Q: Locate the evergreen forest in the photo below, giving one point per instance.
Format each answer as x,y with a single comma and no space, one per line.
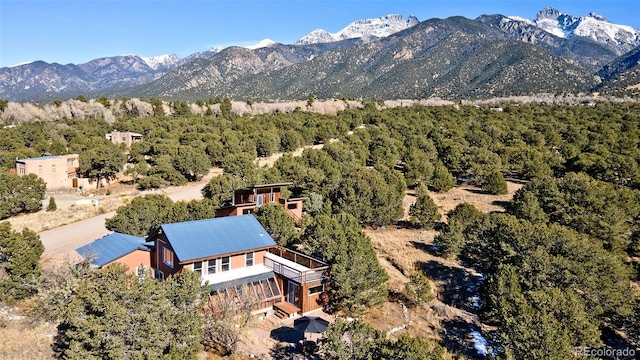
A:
560,265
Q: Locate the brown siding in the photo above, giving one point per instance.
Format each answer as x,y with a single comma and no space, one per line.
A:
228,211
310,302
160,244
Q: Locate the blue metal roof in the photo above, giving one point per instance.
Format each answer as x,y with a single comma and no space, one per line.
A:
112,247
46,157
212,237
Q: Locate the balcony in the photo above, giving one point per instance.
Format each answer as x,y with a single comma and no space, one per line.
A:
295,266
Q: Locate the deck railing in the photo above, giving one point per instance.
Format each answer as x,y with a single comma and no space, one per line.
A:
317,270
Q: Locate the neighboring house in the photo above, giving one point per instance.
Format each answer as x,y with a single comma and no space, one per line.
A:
247,200
124,137
132,251
58,171
236,252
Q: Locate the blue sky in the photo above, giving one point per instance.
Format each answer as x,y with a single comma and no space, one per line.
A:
78,31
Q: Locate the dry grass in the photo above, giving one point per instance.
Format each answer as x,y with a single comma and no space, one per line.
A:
20,339
44,220
474,196
450,316
271,159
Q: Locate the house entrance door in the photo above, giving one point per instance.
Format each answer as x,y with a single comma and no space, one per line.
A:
292,293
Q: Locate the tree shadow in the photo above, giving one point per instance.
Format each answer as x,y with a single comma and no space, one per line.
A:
502,204
289,352
458,287
431,249
457,336
477,191
614,340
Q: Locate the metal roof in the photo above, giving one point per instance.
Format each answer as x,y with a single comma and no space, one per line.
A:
112,247
213,237
261,186
46,157
242,281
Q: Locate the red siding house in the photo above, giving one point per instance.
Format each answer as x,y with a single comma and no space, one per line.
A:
131,251
247,200
235,254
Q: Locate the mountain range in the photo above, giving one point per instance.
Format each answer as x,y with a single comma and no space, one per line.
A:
387,57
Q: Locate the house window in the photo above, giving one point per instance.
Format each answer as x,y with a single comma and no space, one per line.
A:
40,169
316,289
248,259
225,264
124,139
21,171
212,266
53,169
167,257
247,211
197,267
159,275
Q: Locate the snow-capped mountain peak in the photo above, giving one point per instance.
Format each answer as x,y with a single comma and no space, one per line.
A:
593,26
262,43
161,61
378,27
597,17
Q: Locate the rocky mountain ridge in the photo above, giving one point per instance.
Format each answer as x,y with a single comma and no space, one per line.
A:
575,45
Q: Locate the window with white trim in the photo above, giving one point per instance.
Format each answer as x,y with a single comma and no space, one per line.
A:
197,267
226,264
212,266
248,259
167,257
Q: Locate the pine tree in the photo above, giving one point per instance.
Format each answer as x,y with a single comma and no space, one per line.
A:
52,205
418,289
354,285
19,261
442,180
117,315
424,211
495,184
278,224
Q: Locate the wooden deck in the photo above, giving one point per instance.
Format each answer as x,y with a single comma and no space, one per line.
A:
285,309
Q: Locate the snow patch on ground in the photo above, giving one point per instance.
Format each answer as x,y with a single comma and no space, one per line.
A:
480,343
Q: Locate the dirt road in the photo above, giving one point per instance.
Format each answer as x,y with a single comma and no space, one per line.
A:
62,241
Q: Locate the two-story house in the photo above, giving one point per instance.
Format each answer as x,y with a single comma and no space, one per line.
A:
124,137
236,252
247,200
58,171
232,254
